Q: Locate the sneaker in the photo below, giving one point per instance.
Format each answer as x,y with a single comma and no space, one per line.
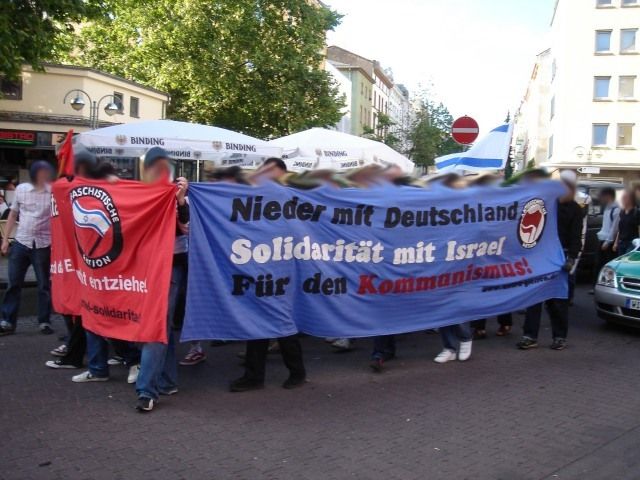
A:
46,329
342,345
377,365
60,351
503,331
526,343
134,370
559,344
145,404
115,360
6,328
445,356
171,391
88,377
464,352
244,384
294,382
59,364
194,357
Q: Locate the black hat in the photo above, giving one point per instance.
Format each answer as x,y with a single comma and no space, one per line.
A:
153,155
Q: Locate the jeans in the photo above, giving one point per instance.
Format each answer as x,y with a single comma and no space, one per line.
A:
158,365
452,335
384,347
256,359
98,354
77,342
558,309
20,257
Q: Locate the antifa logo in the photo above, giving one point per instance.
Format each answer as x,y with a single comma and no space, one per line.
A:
532,223
97,227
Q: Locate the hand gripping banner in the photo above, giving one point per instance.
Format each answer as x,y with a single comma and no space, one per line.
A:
112,248
271,261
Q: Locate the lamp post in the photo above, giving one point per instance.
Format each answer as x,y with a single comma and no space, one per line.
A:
78,103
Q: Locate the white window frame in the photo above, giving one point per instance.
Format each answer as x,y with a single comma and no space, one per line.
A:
618,136
603,52
595,88
593,135
635,46
634,80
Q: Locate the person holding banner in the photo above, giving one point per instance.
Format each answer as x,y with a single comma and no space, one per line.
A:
570,224
158,367
32,246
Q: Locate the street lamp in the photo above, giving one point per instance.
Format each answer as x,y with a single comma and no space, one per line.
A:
78,104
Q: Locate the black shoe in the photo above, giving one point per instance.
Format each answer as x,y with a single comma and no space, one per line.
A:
527,343
7,330
46,329
244,384
377,365
559,344
219,343
294,382
145,404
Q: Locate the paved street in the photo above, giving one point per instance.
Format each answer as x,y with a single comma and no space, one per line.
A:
505,414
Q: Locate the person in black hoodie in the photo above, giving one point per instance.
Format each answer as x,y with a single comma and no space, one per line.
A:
570,217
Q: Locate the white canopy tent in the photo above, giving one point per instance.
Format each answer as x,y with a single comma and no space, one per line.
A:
319,148
182,140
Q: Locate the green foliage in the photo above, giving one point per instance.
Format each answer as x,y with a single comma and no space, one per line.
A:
30,30
248,65
382,132
531,164
430,134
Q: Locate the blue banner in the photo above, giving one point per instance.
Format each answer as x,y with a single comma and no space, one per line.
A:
270,261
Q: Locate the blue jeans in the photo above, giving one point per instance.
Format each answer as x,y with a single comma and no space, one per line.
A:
20,257
452,335
158,366
98,354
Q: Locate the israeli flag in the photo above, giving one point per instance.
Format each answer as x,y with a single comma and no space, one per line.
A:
490,153
93,219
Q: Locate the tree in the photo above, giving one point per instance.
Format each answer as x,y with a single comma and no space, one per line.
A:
430,134
248,65
383,131
30,30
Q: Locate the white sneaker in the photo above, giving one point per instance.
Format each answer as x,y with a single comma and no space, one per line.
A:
464,351
133,374
445,356
87,377
342,344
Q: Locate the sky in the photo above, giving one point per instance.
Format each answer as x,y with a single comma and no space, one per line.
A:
476,56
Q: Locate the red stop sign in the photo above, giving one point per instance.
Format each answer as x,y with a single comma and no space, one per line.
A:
465,130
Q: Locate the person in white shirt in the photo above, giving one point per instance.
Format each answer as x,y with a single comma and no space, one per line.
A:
32,246
609,229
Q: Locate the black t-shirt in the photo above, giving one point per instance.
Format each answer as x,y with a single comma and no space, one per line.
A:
628,225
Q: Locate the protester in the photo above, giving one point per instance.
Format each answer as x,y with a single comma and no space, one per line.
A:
505,322
570,235
608,230
32,246
628,225
158,367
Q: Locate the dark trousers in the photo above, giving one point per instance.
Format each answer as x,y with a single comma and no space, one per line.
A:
256,358
77,343
602,258
505,320
384,347
20,257
558,309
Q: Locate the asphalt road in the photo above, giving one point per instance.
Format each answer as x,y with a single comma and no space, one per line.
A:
505,414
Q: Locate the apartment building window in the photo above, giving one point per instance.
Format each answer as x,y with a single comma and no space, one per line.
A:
552,108
550,153
600,134
119,99
627,88
603,41
601,88
604,3
625,134
630,3
10,90
554,69
134,107
628,40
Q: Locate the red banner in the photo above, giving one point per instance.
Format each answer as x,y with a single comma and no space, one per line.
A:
112,249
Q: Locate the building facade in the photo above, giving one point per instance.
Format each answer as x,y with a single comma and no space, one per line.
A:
586,92
36,112
345,88
361,96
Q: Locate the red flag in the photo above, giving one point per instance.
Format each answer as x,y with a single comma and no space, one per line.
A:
65,156
111,257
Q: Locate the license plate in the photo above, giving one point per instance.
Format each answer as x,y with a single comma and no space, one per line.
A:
633,303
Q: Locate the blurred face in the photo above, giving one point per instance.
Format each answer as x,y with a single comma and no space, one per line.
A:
605,199
628,200
160,170
43,177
